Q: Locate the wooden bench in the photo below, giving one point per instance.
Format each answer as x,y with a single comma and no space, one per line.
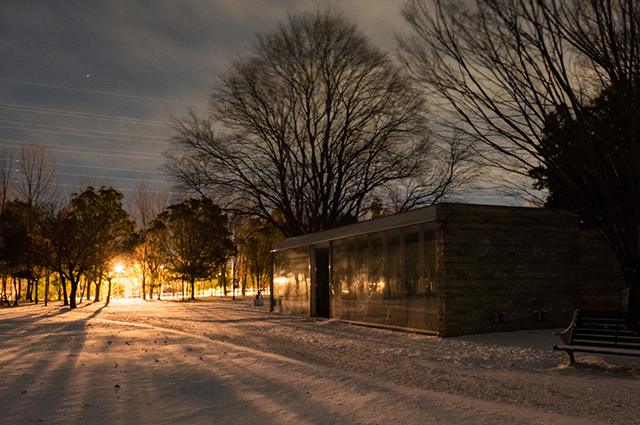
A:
603,332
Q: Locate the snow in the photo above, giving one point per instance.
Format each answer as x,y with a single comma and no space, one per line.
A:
228,362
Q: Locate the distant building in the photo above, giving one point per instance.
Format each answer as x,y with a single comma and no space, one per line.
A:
448,269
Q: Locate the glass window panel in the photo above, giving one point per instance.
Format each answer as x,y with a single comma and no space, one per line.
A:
383,277
291,281
413,264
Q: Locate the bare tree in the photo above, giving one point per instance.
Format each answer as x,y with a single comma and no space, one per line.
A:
255,247
148,202
305,132
36,187
5,196
36,184
520,76
6,188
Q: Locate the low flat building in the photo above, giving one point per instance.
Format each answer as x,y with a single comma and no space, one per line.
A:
448,269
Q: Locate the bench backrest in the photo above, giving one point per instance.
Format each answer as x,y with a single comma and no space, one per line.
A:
604,329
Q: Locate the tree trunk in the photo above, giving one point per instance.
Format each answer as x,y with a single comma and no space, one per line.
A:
144,287
35,291
151,292
193,289
46,290
63,283
74,293
16,291
224,281
183,288
98,287
3,296
81,290
29,296
108,291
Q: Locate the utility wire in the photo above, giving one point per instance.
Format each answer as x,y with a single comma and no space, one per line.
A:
128,96
109,177
127,156
84,135
74,114
85,148
105,168
82,129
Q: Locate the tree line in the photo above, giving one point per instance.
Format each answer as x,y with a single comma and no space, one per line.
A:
69,249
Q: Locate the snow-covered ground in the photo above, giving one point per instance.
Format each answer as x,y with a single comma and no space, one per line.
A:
228,362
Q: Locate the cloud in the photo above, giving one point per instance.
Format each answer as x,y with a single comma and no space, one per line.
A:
163,49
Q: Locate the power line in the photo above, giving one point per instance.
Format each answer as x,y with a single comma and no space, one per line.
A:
109,177
62,112
82,147
82,129
105,168
128,96
128,155
83,135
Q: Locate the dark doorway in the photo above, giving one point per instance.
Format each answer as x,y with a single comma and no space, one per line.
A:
323,294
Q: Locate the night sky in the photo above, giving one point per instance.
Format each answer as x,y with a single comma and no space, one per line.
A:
98,81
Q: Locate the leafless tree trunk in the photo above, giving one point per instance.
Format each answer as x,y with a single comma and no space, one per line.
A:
109,279
74,282
63,283
88,280
46,289
144,285
3,297
29,295
243,277
98,287
223,280
17,290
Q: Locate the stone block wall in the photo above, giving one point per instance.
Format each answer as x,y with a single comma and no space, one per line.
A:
505,268
601,278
